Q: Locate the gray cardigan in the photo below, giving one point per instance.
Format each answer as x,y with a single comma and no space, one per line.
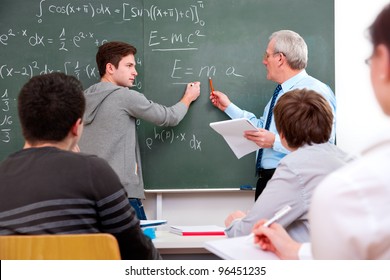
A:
293,183
110,129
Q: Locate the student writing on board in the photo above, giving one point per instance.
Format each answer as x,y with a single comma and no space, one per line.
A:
54,190
285,60
112,110
349,211
304,120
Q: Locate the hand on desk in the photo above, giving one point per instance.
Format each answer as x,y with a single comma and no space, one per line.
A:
234,216
276,239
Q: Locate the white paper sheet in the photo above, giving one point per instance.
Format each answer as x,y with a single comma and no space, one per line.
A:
233,133
238,248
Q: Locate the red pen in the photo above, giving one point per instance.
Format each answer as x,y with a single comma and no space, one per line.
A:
211,85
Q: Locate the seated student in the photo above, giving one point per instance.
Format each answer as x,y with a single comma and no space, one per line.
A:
349,211
303,119
47,189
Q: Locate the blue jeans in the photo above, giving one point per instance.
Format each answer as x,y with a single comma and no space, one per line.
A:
138,207
140,212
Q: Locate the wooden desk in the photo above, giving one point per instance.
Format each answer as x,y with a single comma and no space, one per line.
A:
176,247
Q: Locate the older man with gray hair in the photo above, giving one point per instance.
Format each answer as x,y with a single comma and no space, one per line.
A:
285,60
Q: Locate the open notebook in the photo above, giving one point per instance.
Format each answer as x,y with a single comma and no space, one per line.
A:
238,248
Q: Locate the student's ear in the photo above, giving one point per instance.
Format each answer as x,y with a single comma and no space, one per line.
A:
382,52
110,68
77,128
284,141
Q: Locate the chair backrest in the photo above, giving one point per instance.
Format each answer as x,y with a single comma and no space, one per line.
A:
99,246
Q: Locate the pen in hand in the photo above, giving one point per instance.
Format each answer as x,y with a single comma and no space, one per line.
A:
211,85
276,217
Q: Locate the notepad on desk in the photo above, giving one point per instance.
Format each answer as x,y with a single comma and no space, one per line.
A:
210,230
152,223
233,133
238,248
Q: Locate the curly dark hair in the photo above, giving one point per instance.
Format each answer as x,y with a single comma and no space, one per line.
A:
49,105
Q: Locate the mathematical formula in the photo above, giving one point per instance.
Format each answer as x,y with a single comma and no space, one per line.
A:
5,118
59,40
125,12
66,34
74,68
65,42
169,136
174,41
179,70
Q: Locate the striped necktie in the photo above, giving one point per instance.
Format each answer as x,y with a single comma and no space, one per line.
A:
267,124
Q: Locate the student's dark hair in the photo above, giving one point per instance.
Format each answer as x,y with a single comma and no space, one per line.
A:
379,30
49,105
304,117
112,52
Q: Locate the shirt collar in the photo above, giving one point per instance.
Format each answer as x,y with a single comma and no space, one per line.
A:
287,85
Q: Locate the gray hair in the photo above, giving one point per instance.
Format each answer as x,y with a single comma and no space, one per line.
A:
292,45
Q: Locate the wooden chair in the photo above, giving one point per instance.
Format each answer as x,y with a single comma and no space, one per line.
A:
99,246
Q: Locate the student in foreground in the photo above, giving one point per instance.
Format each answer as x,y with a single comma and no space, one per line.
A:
48,189
112,110
349,211
303,120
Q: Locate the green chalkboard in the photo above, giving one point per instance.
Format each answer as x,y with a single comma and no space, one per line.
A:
41,36
178,41
224,39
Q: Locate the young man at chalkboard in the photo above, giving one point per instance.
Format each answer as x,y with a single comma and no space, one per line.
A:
112,110
48,189
285,60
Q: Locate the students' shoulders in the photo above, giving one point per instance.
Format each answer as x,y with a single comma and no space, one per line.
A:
95,162
320,149
302,153
120,91
361,173
325,155
358,195
92,165
371,165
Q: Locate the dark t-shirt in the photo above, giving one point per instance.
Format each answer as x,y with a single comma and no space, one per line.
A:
51,191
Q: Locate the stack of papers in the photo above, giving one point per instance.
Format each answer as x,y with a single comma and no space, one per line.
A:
198,230
238,248
152,223
233,133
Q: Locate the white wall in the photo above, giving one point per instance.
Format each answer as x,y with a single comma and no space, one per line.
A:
198,207
359,117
